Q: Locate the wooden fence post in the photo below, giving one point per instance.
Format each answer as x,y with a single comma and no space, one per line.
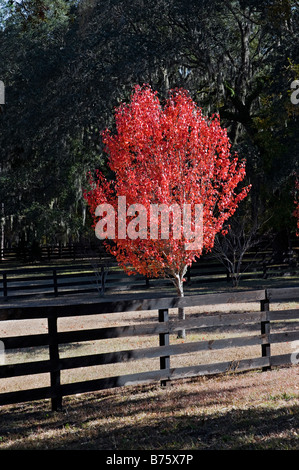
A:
56,398
188,275
5,286
265,331
55,282
164,341
265,267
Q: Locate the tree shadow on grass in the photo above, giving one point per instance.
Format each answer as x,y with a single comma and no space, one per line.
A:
147,421
234,430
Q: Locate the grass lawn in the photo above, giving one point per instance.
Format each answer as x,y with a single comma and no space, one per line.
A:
253,410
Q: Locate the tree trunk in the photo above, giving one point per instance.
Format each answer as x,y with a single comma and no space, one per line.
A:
181,311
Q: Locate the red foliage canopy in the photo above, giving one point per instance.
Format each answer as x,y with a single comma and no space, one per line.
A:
169,154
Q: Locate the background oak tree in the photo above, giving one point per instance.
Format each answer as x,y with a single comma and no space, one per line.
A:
67,63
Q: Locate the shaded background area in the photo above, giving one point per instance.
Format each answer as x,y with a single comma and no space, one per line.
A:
67,64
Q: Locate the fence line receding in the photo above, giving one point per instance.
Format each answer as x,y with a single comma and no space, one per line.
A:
163,327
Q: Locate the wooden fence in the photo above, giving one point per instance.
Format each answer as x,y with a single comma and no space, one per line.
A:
164,327
56,252
104,276
61,280
264,258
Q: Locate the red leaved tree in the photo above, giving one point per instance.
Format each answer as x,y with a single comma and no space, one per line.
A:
163,157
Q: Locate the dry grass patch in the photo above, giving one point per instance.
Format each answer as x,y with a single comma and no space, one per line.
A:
21,327
256,410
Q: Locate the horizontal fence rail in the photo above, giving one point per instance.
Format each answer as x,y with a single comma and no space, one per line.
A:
163,327
51,252
61,281
101,274
78,250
